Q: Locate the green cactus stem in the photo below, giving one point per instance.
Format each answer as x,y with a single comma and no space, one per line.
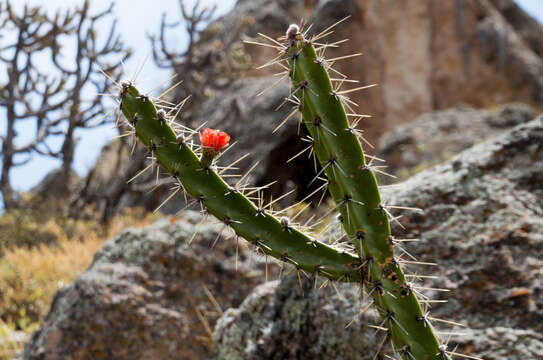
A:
353,186
258,226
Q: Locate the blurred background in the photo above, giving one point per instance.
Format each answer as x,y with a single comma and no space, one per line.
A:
451,74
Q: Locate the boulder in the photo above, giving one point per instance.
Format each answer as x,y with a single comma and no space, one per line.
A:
149,294
482,223
281,320
53,185
424,55
437,136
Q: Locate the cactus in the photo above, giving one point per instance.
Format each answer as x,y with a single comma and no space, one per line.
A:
353,186
272,236
351,183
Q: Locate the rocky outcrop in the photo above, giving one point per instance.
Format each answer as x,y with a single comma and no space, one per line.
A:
144,293
280,320
53,186
424,55
427,55
482,223
149,294
528,28
435,137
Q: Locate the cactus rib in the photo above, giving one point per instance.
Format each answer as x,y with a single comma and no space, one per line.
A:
353,186
231,207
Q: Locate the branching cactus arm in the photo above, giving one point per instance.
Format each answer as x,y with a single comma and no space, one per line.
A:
356,193
198,178
350,180
353,186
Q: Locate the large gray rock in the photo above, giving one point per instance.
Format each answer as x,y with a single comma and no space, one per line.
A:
268,16
280,321
435,137
424,56
526,26
53,185
482,223
144,297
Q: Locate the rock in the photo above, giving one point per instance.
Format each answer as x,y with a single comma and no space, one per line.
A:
267,15
506,343
482,223
139,299
277,321
435,137
413,53
53,186
424,55
528,28
108,188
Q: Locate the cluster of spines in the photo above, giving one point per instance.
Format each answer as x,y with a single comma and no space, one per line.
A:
351,182
170,145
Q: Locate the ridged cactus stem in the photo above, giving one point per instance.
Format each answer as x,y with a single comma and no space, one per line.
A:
197,177
353,187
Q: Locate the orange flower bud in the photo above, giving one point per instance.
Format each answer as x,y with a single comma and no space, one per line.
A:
214,139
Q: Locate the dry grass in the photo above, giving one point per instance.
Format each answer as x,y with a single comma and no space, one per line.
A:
30,277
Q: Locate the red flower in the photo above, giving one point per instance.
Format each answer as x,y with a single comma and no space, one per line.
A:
214,139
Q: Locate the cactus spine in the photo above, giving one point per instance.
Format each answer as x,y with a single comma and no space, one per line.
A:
229,205
353,186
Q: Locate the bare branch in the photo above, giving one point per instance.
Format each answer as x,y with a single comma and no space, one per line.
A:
208,63
55,102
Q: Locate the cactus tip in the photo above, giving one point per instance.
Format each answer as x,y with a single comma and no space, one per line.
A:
292,31
125,84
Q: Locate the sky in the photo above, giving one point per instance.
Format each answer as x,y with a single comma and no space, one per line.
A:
532,7
135,18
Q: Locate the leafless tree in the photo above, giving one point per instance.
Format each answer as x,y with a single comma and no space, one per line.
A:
53,74
212,59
